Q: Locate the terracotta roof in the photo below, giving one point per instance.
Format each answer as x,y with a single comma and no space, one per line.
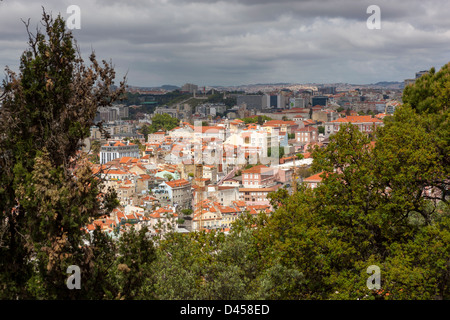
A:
307,129
357,119
255,169
314,178
177,183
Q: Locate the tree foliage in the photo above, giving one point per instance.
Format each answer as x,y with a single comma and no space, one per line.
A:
47,191
163,122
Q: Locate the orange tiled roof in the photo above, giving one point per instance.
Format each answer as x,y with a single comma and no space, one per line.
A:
357,119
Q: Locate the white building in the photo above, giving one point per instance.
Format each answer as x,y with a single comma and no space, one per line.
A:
116,149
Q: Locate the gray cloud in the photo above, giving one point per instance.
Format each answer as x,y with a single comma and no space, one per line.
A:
239,41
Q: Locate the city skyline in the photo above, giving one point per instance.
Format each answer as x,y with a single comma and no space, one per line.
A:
245,42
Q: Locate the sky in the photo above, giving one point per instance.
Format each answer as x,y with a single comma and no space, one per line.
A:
236,42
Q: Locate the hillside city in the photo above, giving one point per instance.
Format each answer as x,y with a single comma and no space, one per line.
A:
210,153
196,158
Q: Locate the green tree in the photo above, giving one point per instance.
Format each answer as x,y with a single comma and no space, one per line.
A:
145,130
371,208
163,122
430,93
47,193
133,268
280,152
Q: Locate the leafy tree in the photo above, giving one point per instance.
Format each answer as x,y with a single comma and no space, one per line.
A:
280,152
430,93
145,130
259,119
163,122
187,212
321,129
47,192
133,267
168,176
372,208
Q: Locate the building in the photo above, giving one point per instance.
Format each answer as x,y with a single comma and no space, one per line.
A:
251,101
319,101
189,87
117,149
307,135
156,137
179,192
327,90
365,124
297,103
257,196
283,126
258,177
324,115
314,180
418,75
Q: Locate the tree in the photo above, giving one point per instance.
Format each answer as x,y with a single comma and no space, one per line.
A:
47,191
371,208
280,152
163,122
168,176
300,156
321,129
145,130
430,93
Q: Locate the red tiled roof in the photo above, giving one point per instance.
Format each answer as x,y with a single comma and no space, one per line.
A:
314,178
255,169
177,183
357,119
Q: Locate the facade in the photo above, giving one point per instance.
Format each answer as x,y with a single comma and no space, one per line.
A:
365,124
156,137
256,196
179,192
189,87
116,149
251,101
314,180
319,100
325,115
306,135
258,176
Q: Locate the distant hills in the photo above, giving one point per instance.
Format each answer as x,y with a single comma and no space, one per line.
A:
390,84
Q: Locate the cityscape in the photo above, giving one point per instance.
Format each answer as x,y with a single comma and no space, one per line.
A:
224,151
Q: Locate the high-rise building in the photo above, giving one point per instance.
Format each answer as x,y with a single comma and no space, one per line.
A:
254,101
319,101
421,73
189,87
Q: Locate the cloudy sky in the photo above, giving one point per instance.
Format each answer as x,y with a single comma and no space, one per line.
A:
236,42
